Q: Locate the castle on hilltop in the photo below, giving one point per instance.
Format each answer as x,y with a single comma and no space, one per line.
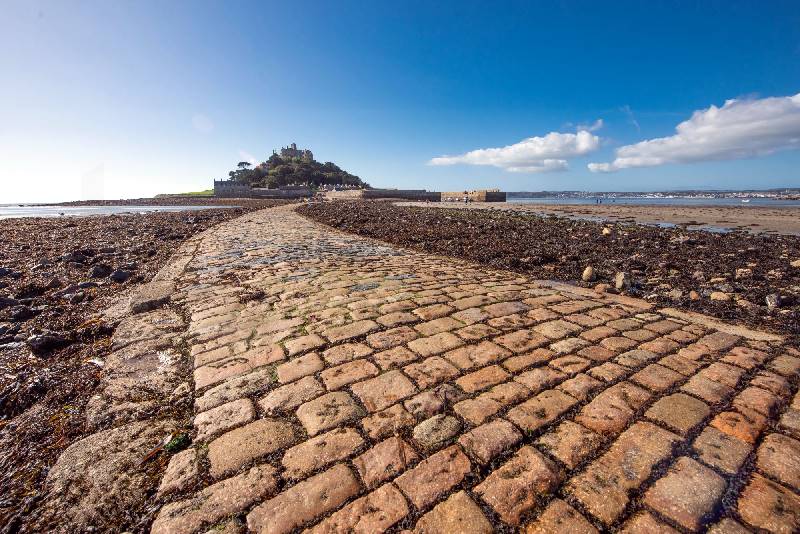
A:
292,151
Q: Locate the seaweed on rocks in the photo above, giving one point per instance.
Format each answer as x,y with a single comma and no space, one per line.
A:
667,266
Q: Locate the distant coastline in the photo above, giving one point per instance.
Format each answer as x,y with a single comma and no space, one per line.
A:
774,194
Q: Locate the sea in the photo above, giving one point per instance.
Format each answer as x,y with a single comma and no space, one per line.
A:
15,211
661,201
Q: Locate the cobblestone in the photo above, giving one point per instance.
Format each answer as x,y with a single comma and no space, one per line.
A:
458,513
687,495
232,450
380,388
434,476
320,451
385,460
519,485
304,501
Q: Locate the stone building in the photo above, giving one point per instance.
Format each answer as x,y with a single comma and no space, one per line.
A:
292,151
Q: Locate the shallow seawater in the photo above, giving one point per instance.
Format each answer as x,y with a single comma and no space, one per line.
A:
14,211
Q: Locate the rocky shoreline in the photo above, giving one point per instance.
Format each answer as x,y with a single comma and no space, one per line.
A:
57,279
750,278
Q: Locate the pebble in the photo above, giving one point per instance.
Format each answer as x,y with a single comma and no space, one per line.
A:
588,274
720,296
120,276
6,302
602,288
101,270
11,273
773,301
43,343
622,281
21,313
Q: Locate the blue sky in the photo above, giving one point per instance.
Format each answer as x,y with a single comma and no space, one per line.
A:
124,99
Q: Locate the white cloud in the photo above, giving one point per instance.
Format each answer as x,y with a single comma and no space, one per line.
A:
739,129
534,154
626,109
596,125
247,156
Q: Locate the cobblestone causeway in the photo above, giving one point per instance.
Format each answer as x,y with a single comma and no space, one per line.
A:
342,385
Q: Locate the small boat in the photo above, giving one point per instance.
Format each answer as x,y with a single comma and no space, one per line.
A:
745,200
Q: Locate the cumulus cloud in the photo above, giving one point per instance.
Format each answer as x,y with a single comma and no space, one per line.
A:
743,128
547,153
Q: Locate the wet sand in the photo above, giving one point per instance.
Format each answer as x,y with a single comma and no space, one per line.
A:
755,219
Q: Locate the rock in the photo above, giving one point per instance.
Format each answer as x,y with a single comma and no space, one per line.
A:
74,257
602,288
21,313
675,294
742,274
54,283
44,263
724,288
720,296
76,297
588,274
120,276
11,273
699,276
773,301
795,264
152,296
45,342
87,285
435,432
718,280
101,270
694,295
744,303
100,478
622,281
7,302
606,231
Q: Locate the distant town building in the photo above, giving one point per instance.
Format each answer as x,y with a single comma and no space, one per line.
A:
292,151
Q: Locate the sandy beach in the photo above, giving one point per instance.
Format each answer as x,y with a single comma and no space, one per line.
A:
757,219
